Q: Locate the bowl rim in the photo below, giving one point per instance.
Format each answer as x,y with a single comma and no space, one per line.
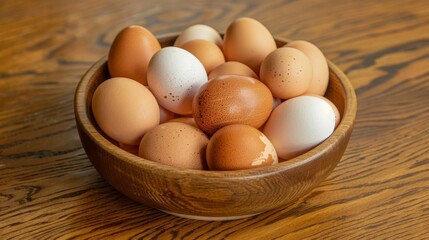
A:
347,120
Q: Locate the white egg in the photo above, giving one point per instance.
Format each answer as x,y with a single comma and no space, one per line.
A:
299,124
174,75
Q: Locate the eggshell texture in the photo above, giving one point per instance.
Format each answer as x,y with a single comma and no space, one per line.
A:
131,52
287,72
175,144
124,109
248,41
187,120
199,31
231,99
320,79
232,68
239,146
207,52
299,124
174,76
336,112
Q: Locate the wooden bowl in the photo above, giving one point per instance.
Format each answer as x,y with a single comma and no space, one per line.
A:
212,195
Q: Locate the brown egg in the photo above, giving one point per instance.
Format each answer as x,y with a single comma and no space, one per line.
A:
320,79
231,99
131,52
232,68
175,144
187,120
239,146
287,72
207,52
248,41
124,109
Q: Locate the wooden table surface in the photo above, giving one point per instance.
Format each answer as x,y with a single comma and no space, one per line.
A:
49,189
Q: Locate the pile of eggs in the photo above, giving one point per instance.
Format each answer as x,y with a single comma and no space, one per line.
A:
214,103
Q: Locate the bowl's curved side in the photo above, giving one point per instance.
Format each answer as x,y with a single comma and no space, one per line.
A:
206,193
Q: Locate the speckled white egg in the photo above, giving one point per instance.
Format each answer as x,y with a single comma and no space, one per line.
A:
299,124
174,75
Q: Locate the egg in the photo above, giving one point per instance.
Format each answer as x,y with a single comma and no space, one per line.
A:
131,52
287,72
231,99
124,109
320,78
299,124
174,75
165,115
199,31
237,146
336,112
232,68
187,120
207,52
175,144
248,41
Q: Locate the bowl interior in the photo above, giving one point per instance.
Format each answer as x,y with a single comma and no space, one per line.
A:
339,91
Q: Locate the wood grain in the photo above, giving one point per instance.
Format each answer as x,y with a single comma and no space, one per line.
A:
49,189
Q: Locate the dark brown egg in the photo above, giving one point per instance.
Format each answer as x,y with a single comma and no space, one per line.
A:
231,99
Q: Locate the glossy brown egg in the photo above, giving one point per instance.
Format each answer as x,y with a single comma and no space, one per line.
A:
248,41
232,68
209,54
131,52
231,99
239,146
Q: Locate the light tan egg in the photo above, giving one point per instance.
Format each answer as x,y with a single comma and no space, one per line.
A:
175,144
232,68
248,41
237,147
320,79
131,52
124,109
207,52
199,31
287,72
187,120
